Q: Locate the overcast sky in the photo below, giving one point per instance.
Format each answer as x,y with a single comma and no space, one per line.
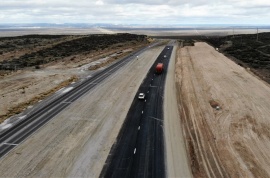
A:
136,11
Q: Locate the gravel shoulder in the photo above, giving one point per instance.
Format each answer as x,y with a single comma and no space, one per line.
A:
177,163
77,141
225,111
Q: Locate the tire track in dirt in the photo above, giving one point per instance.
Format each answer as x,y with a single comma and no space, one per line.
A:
233,139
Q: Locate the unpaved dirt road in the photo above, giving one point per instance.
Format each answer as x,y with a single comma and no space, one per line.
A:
225,113
77,141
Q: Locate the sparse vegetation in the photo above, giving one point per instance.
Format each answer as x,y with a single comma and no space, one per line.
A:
19,108
247,51
65,52
67,48
188,42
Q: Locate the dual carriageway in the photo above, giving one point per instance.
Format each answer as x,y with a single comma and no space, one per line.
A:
139,148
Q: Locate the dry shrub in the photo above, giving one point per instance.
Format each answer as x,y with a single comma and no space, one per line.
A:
20,107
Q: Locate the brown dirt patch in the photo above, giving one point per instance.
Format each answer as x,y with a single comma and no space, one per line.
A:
234,141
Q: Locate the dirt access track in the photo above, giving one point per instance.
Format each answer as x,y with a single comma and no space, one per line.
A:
225,114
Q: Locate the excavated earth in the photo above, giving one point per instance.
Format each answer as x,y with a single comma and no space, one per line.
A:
225,113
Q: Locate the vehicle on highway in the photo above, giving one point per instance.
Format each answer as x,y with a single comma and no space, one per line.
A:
159,68
165,56
141,96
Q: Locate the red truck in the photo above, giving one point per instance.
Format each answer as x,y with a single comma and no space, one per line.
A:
159,68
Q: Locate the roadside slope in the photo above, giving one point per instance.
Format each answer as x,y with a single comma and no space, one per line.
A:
233,139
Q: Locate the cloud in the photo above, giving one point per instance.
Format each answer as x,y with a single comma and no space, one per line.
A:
136,11
99,2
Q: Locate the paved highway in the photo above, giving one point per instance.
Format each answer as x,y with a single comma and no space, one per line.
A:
11,137
139,148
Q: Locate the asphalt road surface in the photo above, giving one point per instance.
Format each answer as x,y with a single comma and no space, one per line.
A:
11,137
139,148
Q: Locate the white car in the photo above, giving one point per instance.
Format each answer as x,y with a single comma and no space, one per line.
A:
141,96
165,56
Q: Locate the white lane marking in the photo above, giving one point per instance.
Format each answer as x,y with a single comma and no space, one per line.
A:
12,144
67,89
134,151
6,126
156,118
21,117
60,90
139,127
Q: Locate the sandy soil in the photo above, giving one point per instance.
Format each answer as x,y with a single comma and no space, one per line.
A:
177,163
77,141
225,112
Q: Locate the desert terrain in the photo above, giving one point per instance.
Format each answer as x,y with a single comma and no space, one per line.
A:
215,107
34,67
248,50
224,109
